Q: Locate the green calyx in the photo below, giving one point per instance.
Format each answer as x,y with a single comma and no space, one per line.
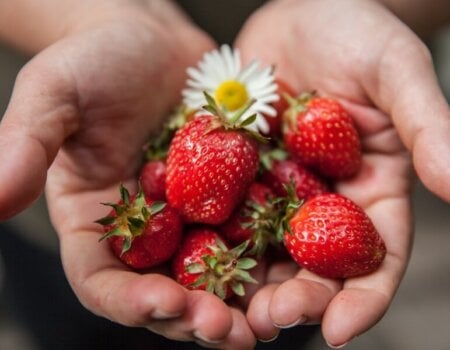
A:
290,206
296,105
158,146
129,217
234,122
263,221
222,269
267,157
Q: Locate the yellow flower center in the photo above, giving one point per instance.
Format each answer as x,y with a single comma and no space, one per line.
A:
232,95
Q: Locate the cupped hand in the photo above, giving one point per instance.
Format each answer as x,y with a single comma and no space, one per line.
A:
358,52
84,107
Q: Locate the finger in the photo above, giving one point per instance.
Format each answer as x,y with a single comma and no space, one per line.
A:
410,93
206,319
240,336
302,300
365,299
107,288
258,314
258,310
41,113
281,271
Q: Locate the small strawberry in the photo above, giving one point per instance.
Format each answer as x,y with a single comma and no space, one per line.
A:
284,172
319,134
141,232
211,164
254,220
204,262
280,106
152,178
333,237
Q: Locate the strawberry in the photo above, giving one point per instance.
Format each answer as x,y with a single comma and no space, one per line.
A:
280,106
211,164
333,237
141,232
253,220
283,172
152,175
204,262
152,178
319,134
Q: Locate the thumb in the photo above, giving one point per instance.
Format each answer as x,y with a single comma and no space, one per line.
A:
41,114
408,90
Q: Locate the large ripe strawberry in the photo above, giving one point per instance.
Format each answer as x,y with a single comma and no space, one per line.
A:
280,107
285,172
320,134
211,164
333,237
254,220
141,232
204,262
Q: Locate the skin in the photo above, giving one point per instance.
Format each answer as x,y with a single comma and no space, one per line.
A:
403,120
85,119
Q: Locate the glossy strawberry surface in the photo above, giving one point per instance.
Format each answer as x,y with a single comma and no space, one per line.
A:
333,237
152,178
283,172
142,232
320,135
235,229
196,245
209,170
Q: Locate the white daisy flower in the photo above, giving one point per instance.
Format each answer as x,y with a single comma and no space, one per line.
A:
219,73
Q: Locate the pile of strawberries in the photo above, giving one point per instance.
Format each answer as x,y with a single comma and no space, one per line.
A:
215,197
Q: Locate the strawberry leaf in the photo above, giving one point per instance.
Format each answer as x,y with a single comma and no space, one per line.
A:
246,263
126,244
156,207
237,288
125,195
195,268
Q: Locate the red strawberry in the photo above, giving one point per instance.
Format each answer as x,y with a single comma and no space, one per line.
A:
280,106
254,220
283,172
152,175
152,178
333,237
142,232
204,262
210,166
320,134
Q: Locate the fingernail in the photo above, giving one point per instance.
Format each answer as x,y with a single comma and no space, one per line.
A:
269,340
298,322
202,338
337,346
161,315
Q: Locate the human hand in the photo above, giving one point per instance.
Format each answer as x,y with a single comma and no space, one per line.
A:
85,106
358,52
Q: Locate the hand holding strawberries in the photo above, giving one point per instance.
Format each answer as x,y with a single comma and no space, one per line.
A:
85,105
89,96
348,50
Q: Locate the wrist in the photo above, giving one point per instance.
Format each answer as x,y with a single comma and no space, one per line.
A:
423,17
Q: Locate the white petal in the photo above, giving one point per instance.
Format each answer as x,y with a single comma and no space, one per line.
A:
247,72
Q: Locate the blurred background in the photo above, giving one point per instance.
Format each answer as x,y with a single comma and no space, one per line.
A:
31,276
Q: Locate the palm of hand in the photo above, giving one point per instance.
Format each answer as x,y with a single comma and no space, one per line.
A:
110,87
